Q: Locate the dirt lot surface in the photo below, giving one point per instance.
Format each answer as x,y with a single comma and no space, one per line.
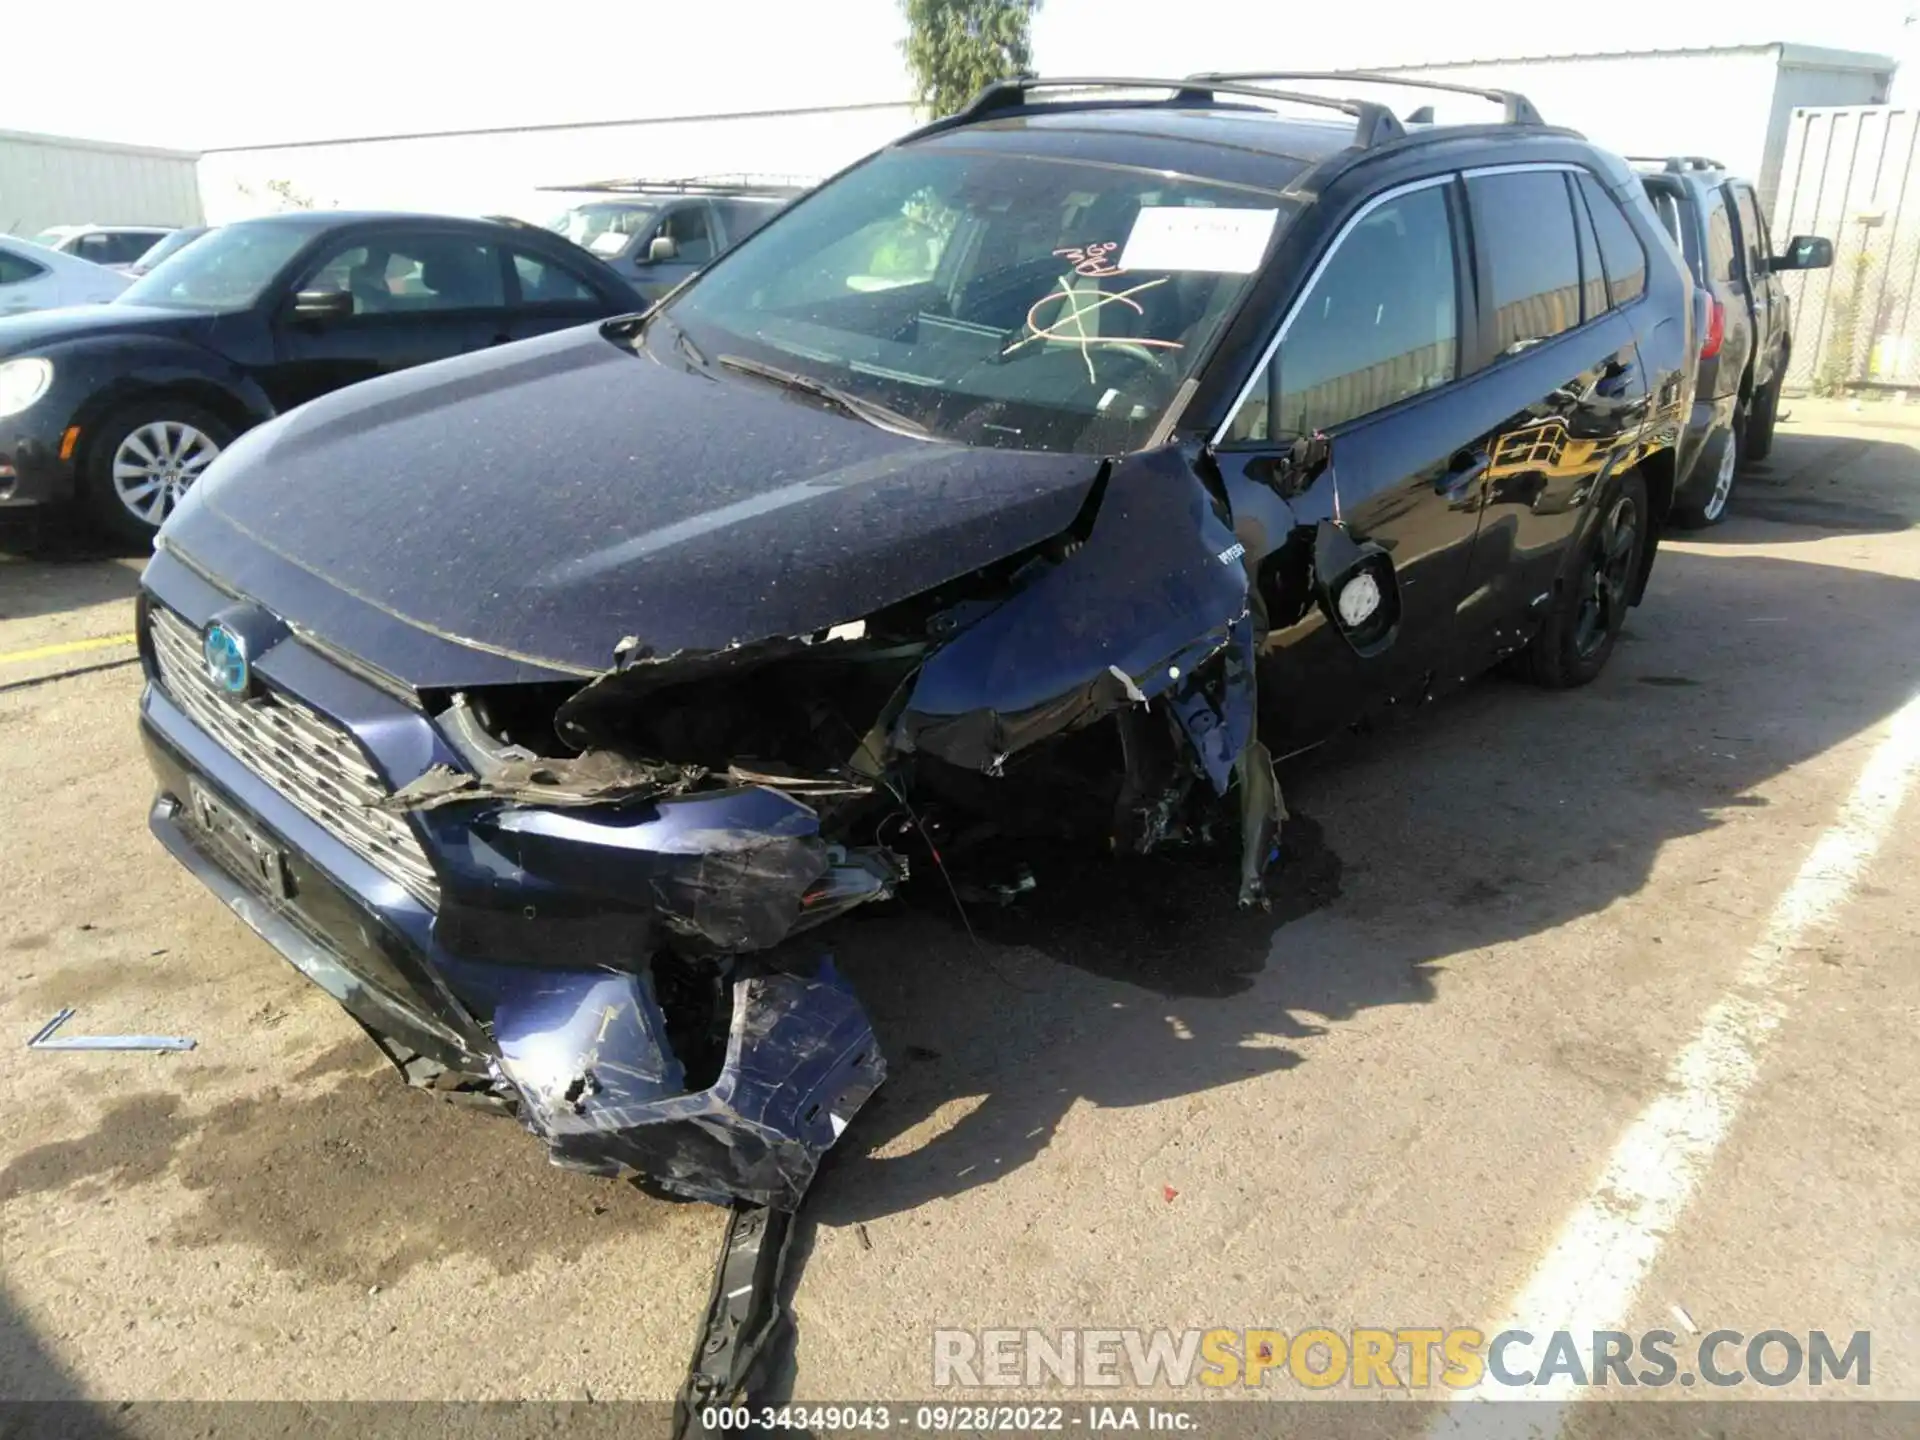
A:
1498,926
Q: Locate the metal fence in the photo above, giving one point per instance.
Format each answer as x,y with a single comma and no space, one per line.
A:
1849,173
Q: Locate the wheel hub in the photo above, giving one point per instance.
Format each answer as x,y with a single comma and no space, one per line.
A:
157,463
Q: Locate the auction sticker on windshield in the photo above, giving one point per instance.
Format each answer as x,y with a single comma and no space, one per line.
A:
1187,237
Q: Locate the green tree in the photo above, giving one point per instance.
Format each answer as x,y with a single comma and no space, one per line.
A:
953,47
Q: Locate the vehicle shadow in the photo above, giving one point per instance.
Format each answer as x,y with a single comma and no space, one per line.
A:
36,1391
1820,485
1494,816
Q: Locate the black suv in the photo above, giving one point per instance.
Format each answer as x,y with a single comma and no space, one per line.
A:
1747,331
1026,486
656,233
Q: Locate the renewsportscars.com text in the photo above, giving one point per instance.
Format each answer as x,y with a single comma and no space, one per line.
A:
1401,1359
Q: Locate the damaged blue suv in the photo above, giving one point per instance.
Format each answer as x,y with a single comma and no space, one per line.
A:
1033,482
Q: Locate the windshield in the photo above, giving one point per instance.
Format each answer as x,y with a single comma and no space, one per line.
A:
605,227
52,238
226,269
994,299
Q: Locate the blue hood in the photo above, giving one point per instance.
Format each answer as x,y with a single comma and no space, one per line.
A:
541,502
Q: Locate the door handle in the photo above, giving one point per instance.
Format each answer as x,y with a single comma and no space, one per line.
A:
1466,467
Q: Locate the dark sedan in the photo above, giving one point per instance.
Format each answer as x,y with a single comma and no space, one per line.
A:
120,407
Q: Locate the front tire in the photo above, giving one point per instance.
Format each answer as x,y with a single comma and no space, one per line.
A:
1584,624
142,459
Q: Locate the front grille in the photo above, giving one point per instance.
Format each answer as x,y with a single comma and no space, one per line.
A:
316,764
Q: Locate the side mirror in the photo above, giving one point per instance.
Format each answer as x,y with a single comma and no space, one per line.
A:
322,305
1804,252
661,247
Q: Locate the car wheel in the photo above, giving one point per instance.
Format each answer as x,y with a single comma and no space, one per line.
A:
1711,507
1584,624
143,459
1761,415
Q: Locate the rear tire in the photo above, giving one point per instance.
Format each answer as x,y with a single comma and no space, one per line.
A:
1697,513
142,459
1761,415
1584,624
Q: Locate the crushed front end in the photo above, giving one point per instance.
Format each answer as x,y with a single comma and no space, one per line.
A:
611,970
586,899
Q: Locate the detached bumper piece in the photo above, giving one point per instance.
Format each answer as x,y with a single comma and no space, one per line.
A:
599,1082
743,1315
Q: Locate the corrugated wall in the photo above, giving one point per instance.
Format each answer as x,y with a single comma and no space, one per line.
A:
45,180
1848,173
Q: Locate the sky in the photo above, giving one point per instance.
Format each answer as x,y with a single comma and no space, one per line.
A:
197,74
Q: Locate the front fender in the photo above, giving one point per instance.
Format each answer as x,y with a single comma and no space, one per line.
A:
125,368
1152,593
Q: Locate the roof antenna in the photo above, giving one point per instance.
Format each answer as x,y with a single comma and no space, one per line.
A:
1422,116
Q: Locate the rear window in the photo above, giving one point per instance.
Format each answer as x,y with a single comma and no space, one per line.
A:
1523,221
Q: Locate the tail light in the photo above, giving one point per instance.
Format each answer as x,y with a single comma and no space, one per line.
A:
1716,329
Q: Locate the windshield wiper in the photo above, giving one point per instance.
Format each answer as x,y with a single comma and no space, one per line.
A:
857,406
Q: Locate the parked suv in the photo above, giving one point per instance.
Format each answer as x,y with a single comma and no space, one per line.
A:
656,233
1747,338
1024,488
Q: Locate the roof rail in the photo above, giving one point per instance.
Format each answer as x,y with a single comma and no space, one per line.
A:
1374,124
782,186
1516,108
1677,164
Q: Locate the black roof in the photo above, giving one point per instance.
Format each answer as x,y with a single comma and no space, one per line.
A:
327,219
1216,126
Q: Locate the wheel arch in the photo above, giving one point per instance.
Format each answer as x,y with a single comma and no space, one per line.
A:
237,412
1656,472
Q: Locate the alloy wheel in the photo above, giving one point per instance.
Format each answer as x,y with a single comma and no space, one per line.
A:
1607,578
1716,505
157,463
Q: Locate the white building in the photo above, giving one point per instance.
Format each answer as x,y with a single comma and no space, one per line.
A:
1732,103
50,180
504,171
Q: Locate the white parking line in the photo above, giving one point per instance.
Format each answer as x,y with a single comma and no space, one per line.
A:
1590,1276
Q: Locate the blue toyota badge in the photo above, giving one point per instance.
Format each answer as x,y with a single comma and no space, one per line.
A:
226,661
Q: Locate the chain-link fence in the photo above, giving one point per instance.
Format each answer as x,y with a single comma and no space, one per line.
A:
1852,174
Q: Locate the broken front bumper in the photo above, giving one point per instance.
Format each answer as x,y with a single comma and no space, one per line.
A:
560,1019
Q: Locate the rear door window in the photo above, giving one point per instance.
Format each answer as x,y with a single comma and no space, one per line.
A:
1523,223
692,233
1593,279
546,282
1621,252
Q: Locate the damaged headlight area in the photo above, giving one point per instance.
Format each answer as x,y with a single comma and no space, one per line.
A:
626,863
